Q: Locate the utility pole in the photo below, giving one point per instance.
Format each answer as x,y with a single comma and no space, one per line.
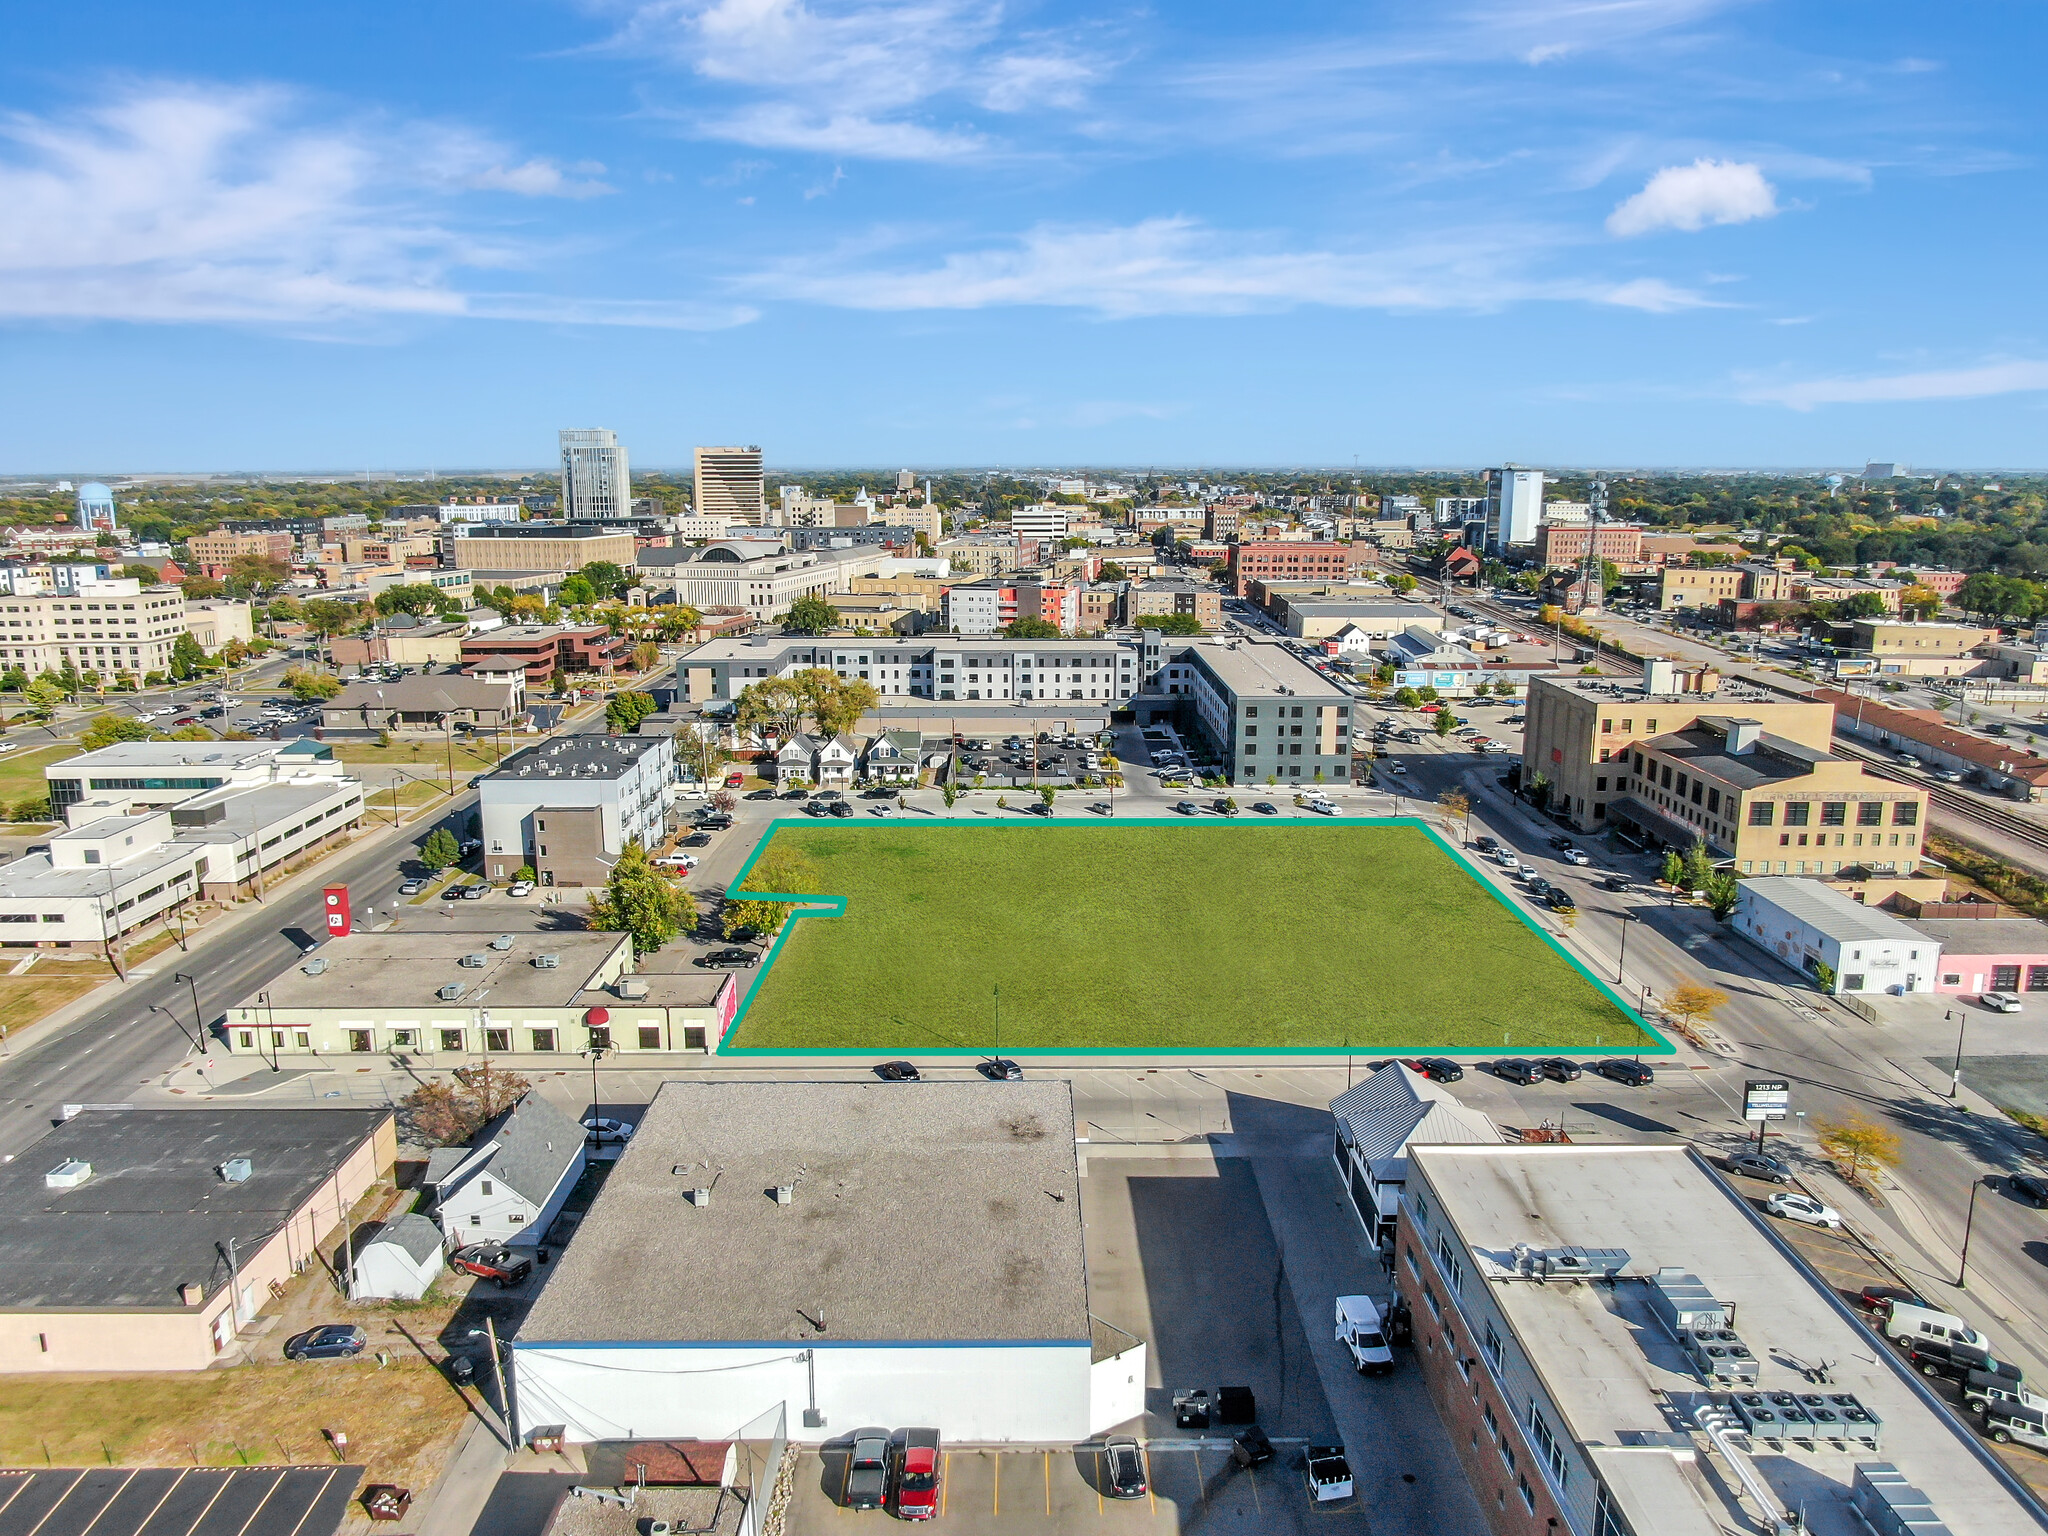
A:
498,1377
198,1020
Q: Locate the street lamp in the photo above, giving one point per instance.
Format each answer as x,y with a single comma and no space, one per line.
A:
1969,1220
596,1054
1955,1077
1622,959
198,1019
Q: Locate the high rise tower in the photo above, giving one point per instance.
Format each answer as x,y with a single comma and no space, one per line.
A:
729,483
596,484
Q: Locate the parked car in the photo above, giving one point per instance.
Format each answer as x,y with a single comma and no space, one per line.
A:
1363,1335
1559,1069
1559,900
1760,1165
1266,808
1484,844
1614,883
1575,856
1620,1069
1185,807
475,892
898,1072
452,893
1123,1468
608,1129
412,887
1878,1299
1790,1205
520,888
2029,1187
330,1341
914,1474
2000,1002
1561,844
841,808
867,1470
734,958
1223,807
491,1261
1515,1069
1438,1069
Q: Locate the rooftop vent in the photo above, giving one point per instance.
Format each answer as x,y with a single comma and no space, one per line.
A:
502,942
236,1170
631,988
451,992
68,1174
785,1194
699,1197
191,1294
317,966
475,960
547,962
1568,1263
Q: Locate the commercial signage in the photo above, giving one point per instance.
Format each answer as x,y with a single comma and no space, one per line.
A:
337,911
1766,1099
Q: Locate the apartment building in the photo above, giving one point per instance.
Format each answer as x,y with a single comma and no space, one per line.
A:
597,484
1260,711
212,624
568,807
479,510
1220,523
537,546
1045,520
938,667
729,482
545,649
1568,1303
1198,600
1753,778
1294,560
1567,543
979,554
983,607
112,627
1904,649
214,552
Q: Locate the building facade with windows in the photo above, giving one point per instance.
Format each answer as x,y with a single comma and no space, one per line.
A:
112,627
936,667
568,807
1294,560
1834,940
1259,711
134,776
597,485
729,482
214,552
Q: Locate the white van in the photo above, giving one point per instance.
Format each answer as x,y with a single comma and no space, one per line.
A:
1905,1322
1359,1330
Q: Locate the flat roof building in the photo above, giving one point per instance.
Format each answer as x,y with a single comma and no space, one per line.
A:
115,1228
729,482
596,482
569,806
1265,714
154,774
769,1243
1833,939
538,546
1554,1290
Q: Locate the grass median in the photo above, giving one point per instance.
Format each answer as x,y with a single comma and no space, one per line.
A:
1251,935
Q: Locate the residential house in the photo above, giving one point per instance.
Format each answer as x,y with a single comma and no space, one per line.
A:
400,1262
796,761
513,1178
893,756
1378,1120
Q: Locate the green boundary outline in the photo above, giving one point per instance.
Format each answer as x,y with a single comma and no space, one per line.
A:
835,906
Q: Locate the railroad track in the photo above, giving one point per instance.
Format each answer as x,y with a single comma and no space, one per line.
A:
1966,807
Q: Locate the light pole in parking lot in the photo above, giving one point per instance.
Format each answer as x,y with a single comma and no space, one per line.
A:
1955,1077
1969,1221
1626,919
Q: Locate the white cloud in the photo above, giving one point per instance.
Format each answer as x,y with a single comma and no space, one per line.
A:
784,125
1178,266
174,203
1694,196
2017,376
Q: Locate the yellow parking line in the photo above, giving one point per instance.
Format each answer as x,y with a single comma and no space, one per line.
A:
945,1481
1048,1482
999,1484
1150,1497
1258,1504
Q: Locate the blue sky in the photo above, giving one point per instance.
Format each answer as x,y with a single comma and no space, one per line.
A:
939,232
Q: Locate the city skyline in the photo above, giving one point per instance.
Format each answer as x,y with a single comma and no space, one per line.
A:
1679,232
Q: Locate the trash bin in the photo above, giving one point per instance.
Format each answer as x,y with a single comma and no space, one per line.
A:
1235,1405
1251,1448
1191,1410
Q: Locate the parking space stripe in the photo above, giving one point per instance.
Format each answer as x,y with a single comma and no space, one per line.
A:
1048,1482
997,1489
1258,1504
945,1482
1150,1497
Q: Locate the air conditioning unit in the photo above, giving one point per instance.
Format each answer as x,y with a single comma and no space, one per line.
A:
451,992
547,962
474,961
68,1174
317,966
236,1170
502,942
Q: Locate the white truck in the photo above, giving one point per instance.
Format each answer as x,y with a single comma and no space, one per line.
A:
1361,1331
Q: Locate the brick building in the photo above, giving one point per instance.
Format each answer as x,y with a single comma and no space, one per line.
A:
214,552
545,649
1566,543
1291,560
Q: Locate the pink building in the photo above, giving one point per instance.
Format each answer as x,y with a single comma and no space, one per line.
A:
1989,954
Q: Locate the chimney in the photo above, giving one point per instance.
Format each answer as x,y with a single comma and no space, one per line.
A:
191,1294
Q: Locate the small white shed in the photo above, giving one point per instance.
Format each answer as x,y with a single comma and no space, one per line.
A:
400,1263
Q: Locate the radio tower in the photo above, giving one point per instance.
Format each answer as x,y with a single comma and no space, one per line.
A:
1592,582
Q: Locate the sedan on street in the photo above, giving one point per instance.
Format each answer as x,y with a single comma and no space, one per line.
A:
1000,1069
2027,1186
412,887
1438,1069
732,959
898,1072
1185,807
452,893
1266,808
1760,1165
330,1341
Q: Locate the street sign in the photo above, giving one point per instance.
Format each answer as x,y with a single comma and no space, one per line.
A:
1766,1099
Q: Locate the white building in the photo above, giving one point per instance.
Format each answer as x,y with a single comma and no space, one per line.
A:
133,776
1452,510
729,482
1046,520
1378,1120
596,482
215,622
1514,507
1807,924
399,1262
759,576
974,609
862,1253
511,1181
115,627
96,510
496,511
568,807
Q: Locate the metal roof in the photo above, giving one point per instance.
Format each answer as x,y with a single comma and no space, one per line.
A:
1397,1107
1820,906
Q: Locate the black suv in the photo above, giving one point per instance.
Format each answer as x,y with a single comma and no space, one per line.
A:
2027,1186
1438,1069
733,959
1559,900
1620,1070
1560,1069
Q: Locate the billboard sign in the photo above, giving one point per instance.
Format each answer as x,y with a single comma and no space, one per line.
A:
1766,1099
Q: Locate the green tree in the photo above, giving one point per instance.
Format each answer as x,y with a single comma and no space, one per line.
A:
418,597
105,730
1723,891
625,711
439,850
1407,698
763,917
1029,628
42,697
1045,794
1446,722
310,687
835,703
1427,694
948,793
14,680
639,899
1698,868
324,616
1171,623
810,615
1111,571
146,574
1857,1143
187,656
1402,584
1672,870
576,592
774,706
605,579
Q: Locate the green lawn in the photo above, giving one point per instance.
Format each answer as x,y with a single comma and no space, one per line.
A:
1254,935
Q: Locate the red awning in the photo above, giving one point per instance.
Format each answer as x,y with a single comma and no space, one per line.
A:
598,1017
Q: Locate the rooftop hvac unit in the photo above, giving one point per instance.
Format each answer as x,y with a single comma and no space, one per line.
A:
1719,1355
630,988
451,992
1682,1302
547,962
317,966
473,961
1568,1263
1890,1505
68,1174
502,942
236,1170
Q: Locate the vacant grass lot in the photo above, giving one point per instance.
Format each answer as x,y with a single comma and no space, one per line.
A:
1245,935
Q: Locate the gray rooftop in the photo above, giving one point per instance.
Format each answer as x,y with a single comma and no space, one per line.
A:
1396,1107
1251,670
418,691
221,815
577,757
535,1145
154,1214
1613,1372
412,1233
396,969
923,1212
1821,906
33,876
218,756
1959,936
1774,759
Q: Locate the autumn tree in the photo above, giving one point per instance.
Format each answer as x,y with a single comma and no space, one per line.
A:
639,899
1692,1004
448,1113
1857,1143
